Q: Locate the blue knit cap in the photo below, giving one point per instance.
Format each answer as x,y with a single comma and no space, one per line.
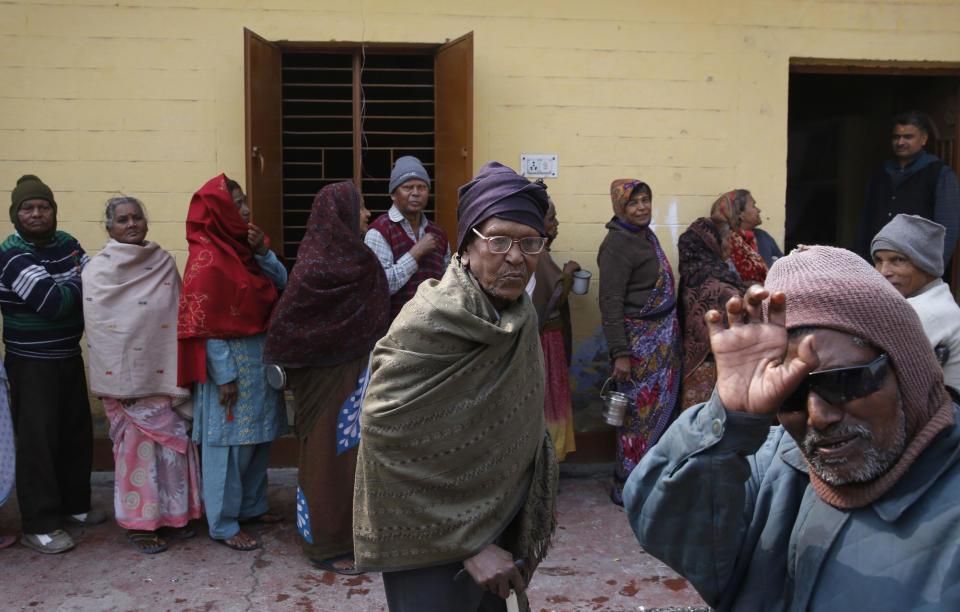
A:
405,169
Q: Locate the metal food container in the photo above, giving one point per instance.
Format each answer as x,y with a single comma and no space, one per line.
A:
276,377
614,405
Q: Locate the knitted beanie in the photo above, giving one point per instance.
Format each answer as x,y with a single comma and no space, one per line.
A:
837,289
919,238
29,187
405,169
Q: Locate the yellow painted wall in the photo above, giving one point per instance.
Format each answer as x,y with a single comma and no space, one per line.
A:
146,97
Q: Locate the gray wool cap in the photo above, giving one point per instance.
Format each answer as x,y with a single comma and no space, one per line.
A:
919,238
405,169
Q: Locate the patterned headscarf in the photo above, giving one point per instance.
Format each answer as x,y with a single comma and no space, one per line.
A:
743,247
225,294
337,303
726,208
620,192
837,289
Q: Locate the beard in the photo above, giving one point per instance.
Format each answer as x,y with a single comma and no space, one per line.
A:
873,462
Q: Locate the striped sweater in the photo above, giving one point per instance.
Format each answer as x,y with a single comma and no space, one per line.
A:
40,296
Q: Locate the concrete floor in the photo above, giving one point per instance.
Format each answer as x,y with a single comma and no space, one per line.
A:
595,564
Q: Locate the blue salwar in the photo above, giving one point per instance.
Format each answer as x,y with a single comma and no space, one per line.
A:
235,442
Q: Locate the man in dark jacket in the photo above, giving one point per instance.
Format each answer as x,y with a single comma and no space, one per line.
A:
913,182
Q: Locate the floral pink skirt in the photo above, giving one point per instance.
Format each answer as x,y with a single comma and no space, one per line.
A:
157,479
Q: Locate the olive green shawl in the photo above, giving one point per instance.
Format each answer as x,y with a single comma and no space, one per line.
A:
453,447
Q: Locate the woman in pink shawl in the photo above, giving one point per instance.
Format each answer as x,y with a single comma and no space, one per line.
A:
131,289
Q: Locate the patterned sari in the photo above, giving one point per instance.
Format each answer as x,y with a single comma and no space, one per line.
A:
655,358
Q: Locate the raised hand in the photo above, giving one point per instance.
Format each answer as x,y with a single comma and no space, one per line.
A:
255,239
751,374
426,245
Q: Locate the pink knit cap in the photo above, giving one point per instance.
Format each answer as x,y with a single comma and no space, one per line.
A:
834,288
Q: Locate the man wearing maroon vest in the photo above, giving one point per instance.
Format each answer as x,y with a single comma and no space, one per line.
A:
410,247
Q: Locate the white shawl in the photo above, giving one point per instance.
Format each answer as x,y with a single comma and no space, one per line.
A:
130,299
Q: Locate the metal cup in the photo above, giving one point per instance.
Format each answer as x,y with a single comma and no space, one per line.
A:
581,281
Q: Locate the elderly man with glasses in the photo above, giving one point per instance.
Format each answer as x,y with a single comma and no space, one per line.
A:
456,475
852,502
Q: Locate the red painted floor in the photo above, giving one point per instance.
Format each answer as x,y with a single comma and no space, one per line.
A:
595,564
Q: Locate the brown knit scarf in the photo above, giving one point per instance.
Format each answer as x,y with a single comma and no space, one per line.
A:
834,288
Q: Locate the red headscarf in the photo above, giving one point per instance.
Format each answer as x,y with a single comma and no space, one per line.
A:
224,294
337,303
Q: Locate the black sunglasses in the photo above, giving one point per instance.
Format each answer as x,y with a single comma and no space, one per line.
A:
840,385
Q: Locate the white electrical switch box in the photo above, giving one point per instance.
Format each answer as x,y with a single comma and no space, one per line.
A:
538,166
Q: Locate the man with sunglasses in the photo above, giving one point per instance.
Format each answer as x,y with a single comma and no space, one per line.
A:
456,475
410,247
852,502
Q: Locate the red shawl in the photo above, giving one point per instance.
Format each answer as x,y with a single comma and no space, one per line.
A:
337,302
747,259
224,294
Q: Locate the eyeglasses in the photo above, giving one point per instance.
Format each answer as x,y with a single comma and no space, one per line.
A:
840,385
498,245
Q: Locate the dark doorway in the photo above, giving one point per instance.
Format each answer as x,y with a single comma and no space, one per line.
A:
839,134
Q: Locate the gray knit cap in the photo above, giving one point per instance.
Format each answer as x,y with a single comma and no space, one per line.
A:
919,238
405,169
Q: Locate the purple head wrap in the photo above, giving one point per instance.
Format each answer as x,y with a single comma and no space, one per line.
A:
498,191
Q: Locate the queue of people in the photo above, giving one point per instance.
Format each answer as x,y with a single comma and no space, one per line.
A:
432,397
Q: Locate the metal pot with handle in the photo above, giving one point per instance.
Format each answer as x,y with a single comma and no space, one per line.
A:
614,405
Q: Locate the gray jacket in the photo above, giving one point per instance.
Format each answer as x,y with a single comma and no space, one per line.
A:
726,501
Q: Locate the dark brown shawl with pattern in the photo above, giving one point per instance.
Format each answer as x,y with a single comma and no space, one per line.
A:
706,282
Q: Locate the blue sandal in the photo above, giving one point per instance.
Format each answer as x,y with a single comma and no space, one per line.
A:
147,542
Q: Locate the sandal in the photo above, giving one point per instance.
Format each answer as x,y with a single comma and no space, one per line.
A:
239,541
267,518
178,533
330,565
147,542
